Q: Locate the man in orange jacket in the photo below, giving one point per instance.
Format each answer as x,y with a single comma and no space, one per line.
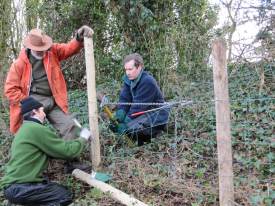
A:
37,73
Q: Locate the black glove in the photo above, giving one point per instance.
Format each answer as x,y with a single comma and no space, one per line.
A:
84,31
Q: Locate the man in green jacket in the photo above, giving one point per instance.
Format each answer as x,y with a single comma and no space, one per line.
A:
33,145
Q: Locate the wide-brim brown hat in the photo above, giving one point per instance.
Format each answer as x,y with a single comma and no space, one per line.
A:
38,41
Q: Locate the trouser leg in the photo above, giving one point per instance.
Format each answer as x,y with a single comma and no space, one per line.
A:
34,194
143,128
63,123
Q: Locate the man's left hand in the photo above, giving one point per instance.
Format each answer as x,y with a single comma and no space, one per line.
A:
121,128
84,31
120,115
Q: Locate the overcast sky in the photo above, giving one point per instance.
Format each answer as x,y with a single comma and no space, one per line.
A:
245,33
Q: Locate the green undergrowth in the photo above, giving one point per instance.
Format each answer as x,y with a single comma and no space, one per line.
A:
180,166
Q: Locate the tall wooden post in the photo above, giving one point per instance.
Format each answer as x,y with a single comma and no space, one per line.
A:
226,190
92,102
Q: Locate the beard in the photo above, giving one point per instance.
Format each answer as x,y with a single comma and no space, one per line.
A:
38,57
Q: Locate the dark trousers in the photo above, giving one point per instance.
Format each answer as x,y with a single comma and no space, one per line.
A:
145,135
147,126
34,194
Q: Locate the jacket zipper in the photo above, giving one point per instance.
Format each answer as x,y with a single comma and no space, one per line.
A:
30,81
47,71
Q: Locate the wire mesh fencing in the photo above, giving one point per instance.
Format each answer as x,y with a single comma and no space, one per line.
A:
180,165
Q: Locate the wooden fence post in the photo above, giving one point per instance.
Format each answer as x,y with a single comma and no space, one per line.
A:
226,190
92,101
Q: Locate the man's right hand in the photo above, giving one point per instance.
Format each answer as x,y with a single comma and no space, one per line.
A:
85,133
120,115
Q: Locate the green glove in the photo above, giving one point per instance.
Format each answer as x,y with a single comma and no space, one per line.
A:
127,120
121,128
101,176
120,115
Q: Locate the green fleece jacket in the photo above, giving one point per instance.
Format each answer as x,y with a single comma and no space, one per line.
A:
30,151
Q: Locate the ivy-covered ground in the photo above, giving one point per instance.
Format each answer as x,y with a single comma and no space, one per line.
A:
179,167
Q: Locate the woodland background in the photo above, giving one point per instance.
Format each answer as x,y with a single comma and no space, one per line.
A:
174,36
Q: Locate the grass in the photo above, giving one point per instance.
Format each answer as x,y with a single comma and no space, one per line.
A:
179,167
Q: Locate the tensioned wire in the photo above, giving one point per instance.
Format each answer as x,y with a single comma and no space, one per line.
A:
167,105
183,102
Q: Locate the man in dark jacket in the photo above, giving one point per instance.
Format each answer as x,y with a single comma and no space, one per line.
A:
139,87
31,149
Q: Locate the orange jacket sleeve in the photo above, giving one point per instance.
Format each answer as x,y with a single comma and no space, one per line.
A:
64,51
13,86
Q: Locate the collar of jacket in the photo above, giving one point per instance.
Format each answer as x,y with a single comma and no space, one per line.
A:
30,119
23,55
133,83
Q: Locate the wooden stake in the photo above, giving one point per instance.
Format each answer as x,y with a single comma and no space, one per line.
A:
113,192
226,190
92,102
